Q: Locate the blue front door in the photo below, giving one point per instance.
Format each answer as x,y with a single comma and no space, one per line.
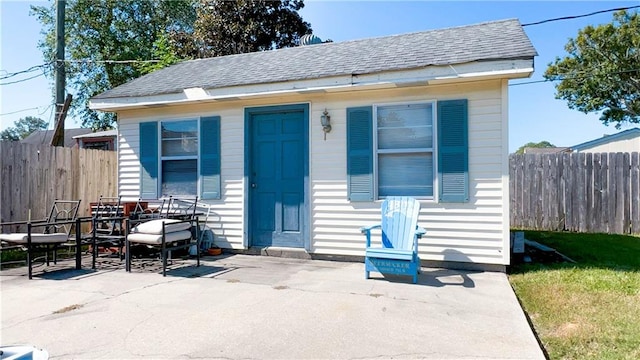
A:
276,176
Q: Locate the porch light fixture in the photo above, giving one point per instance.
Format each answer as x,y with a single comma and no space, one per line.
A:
325,121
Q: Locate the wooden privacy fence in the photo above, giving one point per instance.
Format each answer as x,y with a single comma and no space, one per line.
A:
583,192
33,176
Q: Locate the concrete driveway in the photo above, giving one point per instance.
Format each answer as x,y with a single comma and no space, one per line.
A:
255,307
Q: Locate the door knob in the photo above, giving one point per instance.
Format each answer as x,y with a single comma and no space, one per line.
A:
253,185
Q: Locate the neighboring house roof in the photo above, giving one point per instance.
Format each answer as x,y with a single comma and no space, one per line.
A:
97,134
623,135
496,40
547,150
40,137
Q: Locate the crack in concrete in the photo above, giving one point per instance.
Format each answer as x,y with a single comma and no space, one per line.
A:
106,297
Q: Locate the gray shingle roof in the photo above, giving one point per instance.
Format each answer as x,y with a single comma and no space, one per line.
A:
496,40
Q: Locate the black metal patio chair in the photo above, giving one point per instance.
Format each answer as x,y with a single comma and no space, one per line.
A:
44,236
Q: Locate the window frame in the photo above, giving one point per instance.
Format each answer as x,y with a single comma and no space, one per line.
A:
433,150
162,158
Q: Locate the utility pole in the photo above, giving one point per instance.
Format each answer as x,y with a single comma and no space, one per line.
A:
58,134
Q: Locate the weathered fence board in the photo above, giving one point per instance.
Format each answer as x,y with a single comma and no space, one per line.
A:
580,192
33,176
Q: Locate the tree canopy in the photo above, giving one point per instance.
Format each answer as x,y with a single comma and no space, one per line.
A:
602,70
541,144
107,43
23,128
235,27
110,42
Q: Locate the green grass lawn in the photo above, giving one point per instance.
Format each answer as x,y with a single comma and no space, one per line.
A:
587,310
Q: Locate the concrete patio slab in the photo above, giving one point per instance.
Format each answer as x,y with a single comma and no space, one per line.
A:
257,307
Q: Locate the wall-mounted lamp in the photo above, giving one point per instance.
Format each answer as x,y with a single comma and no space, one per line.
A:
325,121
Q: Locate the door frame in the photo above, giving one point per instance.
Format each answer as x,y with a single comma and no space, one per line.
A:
248,167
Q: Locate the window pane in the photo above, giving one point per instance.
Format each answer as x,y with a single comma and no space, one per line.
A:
405,126
180,138
405,174
179,177
407,138
180,147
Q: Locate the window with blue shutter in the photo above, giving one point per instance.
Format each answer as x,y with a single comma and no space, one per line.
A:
405,154
210,157
180,158
360,153
453,154
149,160
404,150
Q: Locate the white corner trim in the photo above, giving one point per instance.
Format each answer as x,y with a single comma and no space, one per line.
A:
506,197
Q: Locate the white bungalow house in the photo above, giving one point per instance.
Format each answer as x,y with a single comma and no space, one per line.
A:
295,148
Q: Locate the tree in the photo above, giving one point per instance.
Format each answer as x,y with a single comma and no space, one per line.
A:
109,42
23,128
103,36
602,70
541,144
234,27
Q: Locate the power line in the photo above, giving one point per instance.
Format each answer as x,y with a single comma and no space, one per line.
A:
32,108
50,120
47,108
21,80
581,16
113,61
86,61
532,82
42,66
18,111
31,69
560,77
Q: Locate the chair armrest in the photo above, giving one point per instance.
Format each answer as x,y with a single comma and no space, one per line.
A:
367,229
420,231
24,222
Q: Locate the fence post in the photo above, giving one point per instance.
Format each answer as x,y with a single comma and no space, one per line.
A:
635,193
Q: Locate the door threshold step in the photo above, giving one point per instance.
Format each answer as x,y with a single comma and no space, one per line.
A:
285,252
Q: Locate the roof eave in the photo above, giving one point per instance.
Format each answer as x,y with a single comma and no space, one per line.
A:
429,75
627,134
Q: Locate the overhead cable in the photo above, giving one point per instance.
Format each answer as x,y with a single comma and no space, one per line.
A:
581,16
561,77
113,61
31,69
21,80
46,107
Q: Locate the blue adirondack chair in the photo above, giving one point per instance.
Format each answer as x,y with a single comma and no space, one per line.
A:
400,233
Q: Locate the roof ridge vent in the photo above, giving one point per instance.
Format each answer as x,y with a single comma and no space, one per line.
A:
309,39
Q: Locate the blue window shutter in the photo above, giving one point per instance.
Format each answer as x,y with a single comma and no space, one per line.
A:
210,157
453,154
360,153
149,160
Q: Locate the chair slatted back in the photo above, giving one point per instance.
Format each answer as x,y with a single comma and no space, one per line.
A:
399,221
182,207
150,209
62,210
106,209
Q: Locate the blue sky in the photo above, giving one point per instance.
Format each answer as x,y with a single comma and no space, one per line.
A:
534,113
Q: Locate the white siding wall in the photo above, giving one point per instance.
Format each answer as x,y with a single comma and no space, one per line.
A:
226,218
477,231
